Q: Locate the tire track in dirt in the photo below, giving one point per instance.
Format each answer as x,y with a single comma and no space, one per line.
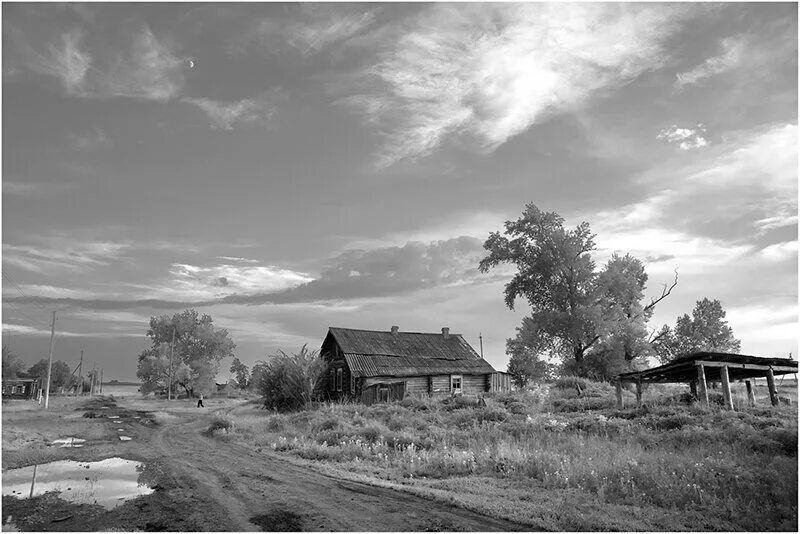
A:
247,484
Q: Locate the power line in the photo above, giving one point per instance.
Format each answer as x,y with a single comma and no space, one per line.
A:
15,286
28,317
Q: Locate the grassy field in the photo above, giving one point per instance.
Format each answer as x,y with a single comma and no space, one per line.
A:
556,459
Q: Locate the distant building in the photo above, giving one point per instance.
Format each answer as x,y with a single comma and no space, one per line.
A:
21,388
375,366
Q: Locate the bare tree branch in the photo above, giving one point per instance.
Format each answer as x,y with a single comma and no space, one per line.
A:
664,293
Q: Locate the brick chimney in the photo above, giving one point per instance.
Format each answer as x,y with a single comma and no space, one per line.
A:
394,330
446,332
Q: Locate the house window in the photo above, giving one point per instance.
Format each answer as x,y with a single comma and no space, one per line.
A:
333,380
455,383
383,394
339,379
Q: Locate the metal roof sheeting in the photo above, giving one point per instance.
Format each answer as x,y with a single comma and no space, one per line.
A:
377,353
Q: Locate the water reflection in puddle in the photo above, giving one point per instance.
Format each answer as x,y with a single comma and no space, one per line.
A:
108,482
125,438
113,417
69,442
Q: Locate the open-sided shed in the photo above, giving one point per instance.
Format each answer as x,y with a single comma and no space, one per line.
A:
700,368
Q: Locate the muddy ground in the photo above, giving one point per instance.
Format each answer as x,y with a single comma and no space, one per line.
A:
203,483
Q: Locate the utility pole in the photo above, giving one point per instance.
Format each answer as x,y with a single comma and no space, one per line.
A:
80,375
50,362
171,350
480,338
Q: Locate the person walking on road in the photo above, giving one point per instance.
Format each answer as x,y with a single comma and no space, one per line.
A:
200,402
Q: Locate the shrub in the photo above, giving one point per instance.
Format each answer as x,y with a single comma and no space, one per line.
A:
583,404
372,433
571,382
329,423
219,424
514,403
459,402
287,382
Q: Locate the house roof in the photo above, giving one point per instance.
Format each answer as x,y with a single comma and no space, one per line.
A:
740,366
381,353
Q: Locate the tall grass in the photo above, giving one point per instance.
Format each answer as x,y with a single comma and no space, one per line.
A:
742,464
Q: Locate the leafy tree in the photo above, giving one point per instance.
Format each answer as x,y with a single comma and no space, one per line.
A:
575,310
706,330
241,372
59,374
289,382
12,366
199,349
526,364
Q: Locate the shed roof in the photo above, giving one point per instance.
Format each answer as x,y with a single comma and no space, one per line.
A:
381,353
740,366
18,380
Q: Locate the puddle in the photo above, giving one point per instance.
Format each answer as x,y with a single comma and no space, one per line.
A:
108,482
113,417
136,417
120,430
69,442
10,526
125,438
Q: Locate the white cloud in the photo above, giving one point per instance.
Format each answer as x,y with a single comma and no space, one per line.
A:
65,61
685,138
44,290
30,331
477,224
151,70
90,141
225,115
781,220
780,251
194,282
33,189
58,254
314,29
765,330
752,174
730,58
147,69
314,36
490,71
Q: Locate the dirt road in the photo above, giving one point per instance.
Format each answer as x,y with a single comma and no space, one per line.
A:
260,491
207,484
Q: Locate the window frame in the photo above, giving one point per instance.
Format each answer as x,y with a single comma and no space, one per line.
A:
453,379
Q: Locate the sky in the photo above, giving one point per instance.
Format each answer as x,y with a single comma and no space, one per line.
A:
290,167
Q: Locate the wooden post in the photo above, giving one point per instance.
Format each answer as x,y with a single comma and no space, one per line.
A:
726,387
693,388
50,363
33,480
620,404
773,392
639,393
701,384
751,396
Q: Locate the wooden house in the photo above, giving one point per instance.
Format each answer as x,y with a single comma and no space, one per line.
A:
375,366
21,388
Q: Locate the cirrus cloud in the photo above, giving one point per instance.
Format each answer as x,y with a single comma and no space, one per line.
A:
489,72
